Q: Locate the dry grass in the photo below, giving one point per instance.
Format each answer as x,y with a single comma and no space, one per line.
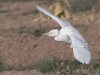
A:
67,9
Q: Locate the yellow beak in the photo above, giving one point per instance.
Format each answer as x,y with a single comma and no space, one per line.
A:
46,33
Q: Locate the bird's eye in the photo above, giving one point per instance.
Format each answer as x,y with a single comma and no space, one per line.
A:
50,32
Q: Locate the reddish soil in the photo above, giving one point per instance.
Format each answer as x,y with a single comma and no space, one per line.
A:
23,49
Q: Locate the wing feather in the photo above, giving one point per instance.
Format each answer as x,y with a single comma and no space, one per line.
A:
80,50
60,21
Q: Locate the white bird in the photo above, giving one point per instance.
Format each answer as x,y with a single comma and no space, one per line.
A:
70,35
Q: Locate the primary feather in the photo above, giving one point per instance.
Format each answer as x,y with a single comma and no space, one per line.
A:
78,43
80,50
60,21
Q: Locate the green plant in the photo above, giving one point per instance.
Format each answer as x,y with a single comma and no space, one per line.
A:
64,67
82,26
14,0
82,5
30,12
1,66
46,65
95,65
39,32
4,11
23,29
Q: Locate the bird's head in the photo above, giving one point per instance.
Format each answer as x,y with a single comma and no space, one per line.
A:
52,33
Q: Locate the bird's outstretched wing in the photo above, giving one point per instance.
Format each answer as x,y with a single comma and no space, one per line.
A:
60,21
80,49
